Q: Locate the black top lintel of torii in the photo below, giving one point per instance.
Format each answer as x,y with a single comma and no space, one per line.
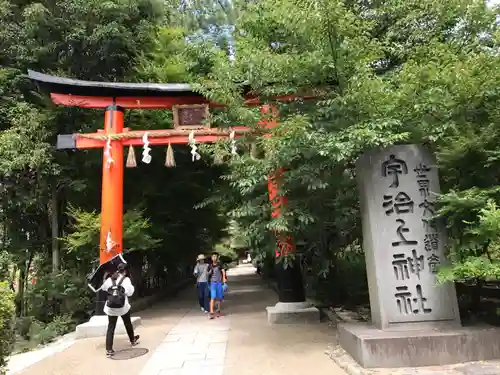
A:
70,86
61,85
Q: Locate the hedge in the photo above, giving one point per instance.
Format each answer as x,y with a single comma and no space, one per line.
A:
7,332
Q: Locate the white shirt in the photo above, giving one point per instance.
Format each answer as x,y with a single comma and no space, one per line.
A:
129,291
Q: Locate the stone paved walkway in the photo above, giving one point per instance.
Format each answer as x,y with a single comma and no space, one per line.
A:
181,341
193,346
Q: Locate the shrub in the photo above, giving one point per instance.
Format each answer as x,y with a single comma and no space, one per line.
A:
341,281
41,333
58,294
7,332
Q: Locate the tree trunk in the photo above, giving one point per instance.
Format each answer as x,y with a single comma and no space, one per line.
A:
20,293
54,204
25,282
12,278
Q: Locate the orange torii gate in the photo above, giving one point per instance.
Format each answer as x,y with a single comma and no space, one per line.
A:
190,109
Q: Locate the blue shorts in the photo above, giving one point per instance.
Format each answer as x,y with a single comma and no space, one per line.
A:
216,291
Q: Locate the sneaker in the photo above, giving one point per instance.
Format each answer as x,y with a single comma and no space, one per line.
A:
203,310
136,340
110,353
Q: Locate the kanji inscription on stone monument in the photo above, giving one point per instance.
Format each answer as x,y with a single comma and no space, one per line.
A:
394,167
403,244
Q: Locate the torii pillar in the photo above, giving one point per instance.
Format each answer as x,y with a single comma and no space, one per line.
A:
292,306
111,234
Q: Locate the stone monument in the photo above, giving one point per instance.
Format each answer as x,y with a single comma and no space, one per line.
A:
413,318
403,246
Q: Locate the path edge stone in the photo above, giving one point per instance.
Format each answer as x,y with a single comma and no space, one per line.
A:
342,359
338,355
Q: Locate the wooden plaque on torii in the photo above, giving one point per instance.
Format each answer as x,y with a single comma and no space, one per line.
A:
190,116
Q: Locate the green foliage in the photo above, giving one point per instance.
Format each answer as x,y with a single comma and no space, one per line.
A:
76,36
476,253
41,186
83,241
226,253
343,272
59,293
41,333
5,265
278,45
165,61
7,334
206,20
488,228
34,333
388,72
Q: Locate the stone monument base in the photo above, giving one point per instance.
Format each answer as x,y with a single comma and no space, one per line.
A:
98,325
292,312
371,347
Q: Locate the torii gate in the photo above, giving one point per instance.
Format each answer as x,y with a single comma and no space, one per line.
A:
189,109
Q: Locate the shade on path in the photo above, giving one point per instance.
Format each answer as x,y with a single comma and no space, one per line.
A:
182,341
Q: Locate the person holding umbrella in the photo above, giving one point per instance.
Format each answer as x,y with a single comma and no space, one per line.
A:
119,288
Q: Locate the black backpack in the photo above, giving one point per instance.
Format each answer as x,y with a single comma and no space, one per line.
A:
116,295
